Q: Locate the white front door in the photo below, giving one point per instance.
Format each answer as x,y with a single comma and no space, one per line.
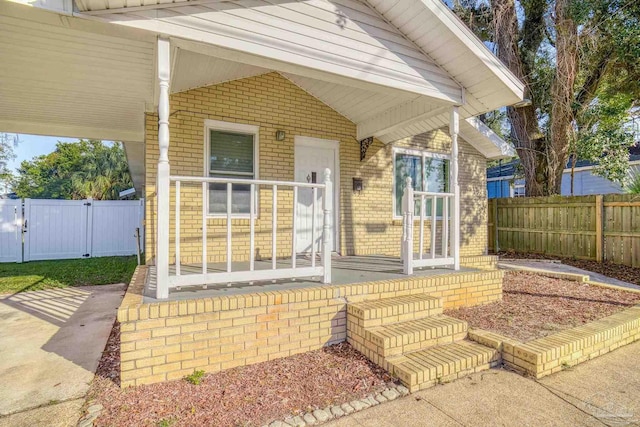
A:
312,157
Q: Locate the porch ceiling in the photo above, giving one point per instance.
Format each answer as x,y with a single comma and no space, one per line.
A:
193,70
72,77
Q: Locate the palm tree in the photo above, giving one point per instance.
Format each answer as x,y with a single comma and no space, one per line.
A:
104,172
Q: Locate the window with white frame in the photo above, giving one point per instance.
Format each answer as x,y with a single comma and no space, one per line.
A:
518,190
428,171
231,153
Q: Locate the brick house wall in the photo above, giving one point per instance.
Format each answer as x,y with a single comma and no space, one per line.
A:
272,102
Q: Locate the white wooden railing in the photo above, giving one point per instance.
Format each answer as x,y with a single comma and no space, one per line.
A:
432,258
180,277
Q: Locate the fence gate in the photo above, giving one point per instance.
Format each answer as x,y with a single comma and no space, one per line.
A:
63,229
10,235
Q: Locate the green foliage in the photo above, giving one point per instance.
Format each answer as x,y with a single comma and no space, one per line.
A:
38,275
606,86
603,138
195,378
633,184
7,145
476,14
76,170
167,422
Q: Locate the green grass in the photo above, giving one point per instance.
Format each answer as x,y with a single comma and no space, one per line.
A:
38,275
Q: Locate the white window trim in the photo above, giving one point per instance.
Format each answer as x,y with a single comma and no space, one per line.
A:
210,125
413,152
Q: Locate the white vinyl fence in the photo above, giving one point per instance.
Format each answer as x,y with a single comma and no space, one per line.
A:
10,233
41,229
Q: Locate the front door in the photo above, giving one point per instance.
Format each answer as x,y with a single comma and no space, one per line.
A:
312,157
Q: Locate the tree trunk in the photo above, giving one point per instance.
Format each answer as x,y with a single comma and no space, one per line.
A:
528,140
543,159
562,94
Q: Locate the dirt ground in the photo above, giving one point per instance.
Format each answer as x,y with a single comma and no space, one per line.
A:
246,396
535,306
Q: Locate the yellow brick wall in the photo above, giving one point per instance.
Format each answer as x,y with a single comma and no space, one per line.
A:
168,340
274,103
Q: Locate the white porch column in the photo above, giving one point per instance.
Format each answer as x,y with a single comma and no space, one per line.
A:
162,183
327,226
454,129
406,251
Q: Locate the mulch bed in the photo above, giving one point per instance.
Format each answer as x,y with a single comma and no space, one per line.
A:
247,396
535,306
617,271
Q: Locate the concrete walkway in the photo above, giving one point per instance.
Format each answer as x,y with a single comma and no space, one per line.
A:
601,392
50,345
557,267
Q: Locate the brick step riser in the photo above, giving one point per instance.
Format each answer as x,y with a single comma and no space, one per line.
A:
444,372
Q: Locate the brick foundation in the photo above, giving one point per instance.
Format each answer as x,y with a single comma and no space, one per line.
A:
168,340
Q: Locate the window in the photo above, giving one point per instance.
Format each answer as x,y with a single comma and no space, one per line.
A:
231,153
518,190
428,172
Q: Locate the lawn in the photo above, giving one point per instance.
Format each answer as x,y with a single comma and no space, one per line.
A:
38,275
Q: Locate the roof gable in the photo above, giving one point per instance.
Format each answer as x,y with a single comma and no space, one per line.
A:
345,38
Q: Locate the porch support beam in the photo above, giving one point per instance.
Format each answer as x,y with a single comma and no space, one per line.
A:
162,184
454,130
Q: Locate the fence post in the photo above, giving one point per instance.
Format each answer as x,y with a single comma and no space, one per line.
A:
327,229
88,238
496,244
407,227
599,228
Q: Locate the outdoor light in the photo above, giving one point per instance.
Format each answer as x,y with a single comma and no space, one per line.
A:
280,134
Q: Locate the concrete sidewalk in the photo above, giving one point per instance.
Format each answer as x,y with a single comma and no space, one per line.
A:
601,392
558,267
50,345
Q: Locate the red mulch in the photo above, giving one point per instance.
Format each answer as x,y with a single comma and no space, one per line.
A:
247,396
535,306
617,271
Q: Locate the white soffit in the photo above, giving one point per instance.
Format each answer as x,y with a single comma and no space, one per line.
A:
483,139
67,76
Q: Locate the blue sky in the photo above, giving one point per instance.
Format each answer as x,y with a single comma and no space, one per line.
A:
30,146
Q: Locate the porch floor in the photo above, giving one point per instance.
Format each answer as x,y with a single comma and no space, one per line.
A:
344,270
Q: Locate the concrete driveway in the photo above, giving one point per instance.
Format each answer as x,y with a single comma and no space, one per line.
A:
601,392
50,345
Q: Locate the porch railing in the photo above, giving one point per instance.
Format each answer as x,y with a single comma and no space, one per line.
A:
433,257
178,278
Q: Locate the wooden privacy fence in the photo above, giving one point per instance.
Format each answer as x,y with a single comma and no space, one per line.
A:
601,228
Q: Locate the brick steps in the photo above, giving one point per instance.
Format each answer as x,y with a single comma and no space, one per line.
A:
399,338
411,338
425,368
392,310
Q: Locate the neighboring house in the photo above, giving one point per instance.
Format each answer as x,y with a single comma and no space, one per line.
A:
264,133
504,180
